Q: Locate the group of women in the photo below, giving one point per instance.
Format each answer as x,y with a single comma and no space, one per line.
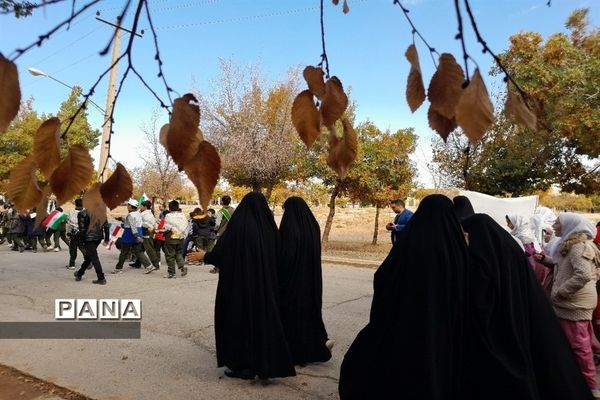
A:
269,294
458,311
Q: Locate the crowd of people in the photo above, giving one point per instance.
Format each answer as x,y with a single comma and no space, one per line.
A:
139,235
462,307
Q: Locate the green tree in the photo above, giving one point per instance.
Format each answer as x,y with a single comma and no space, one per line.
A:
383,170
17,141
80,131
249,121
562,75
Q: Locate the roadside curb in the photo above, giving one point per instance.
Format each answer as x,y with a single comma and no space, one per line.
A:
373,264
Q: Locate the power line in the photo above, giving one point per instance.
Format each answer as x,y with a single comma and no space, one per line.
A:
65,47
239,19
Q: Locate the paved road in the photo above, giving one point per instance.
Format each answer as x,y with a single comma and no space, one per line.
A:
175,358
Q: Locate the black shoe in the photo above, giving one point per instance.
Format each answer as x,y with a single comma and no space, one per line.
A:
241,374
99,281
77,277
135,265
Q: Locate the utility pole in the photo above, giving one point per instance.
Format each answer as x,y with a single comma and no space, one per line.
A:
110,98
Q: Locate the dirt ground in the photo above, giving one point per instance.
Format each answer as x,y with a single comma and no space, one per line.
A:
15,385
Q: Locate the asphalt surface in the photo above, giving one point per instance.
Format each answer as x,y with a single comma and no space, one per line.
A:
175,358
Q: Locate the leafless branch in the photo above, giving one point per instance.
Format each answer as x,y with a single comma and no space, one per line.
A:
405,11
42,38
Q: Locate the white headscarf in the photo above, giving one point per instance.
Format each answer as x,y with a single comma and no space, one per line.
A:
550,246
522,230
571,223
536,223
546,214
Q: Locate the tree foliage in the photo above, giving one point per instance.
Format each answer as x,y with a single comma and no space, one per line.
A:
383,170
562,75
17,141
249,122
159,176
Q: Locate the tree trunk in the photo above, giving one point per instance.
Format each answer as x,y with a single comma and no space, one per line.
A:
334,194
376,231
466,167
268,192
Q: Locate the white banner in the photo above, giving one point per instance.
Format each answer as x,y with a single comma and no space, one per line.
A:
498,208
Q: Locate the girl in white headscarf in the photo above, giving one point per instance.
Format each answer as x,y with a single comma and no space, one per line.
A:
574,295
520,229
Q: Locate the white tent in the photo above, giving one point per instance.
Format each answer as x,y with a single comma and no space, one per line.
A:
497,208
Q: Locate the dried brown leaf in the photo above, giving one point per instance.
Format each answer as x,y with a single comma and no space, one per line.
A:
314,79
10,93
415,90
475,112
203,170
95,206
442,125
45,146
73,174
162,137
334,102
516,108
23,189
181,139
118,188
345,8
445,87
305,118
42,207
342,152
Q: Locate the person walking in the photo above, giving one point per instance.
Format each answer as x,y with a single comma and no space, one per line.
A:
301,284
222,220
249,335
132,239
56,224
402,217
17,230
514,345
574,297
175,227
75,242
148,226
91,235
412,347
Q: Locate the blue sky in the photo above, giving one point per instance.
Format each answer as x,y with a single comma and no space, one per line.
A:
365,48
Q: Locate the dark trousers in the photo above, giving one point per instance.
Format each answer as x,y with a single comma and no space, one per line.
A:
201,243
74,244
91,257
174,254
150,250
132,248
56,236
186,244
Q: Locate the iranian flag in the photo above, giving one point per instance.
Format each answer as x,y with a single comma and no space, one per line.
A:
143,199
54,219
115,232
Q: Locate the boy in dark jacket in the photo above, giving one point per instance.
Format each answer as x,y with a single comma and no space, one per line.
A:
91,235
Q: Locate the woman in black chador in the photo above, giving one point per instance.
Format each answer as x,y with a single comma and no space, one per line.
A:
301,283
515,348
462,207
249,335
412,347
